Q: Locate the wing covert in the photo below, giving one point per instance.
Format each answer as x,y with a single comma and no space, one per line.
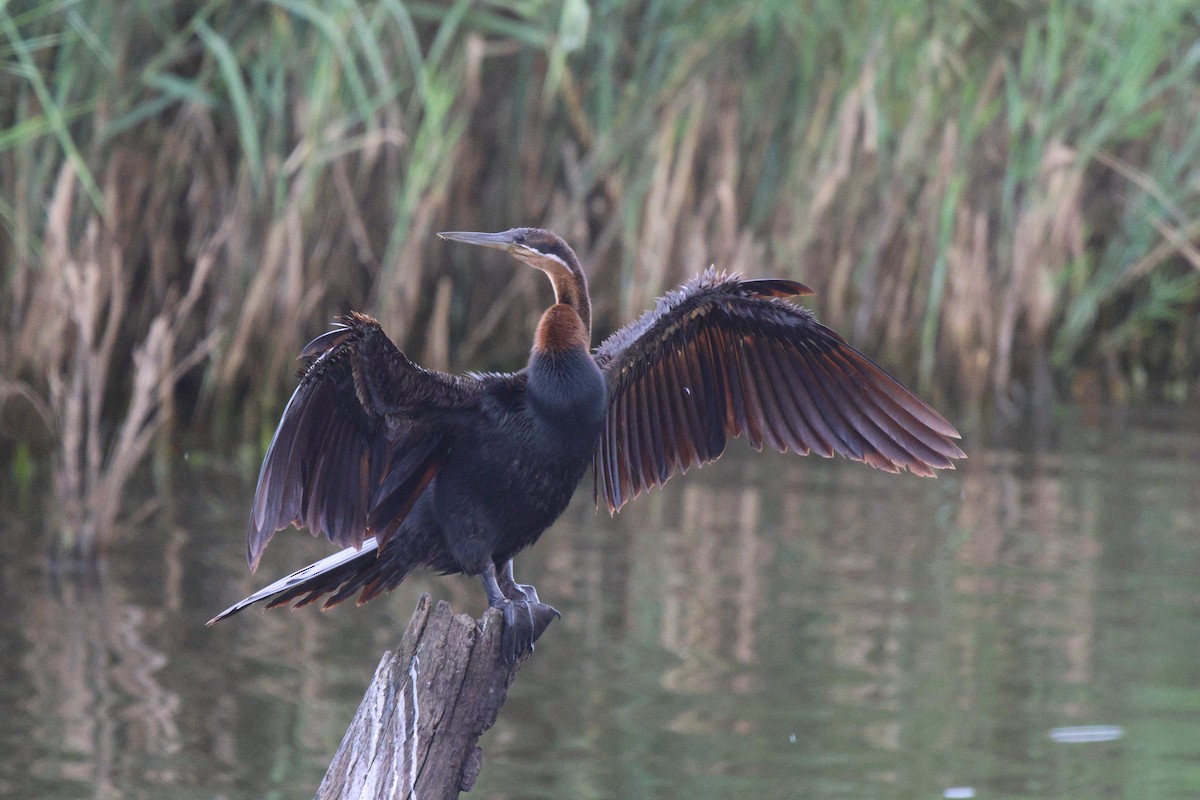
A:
727,357
359,440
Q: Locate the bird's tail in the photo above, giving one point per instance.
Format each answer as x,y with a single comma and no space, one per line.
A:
342,574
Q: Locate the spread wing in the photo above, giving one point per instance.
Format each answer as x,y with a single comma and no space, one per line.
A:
727,357
362,436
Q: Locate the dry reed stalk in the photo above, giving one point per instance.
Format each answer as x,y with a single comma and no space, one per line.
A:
834,172
88,291
968,322
279,293
483,330
1047,236
399,296
712,230
672,182
437,341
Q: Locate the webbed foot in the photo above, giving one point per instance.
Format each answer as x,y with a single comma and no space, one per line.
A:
526,617
524,623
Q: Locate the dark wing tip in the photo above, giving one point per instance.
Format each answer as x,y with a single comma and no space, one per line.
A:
900,427
776,287
326,341
903,395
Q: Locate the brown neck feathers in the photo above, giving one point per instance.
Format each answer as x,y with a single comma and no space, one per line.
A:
570,288
560,329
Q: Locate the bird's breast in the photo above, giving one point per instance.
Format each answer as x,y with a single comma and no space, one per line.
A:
566,395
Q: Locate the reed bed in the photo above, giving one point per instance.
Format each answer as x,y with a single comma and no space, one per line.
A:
999,200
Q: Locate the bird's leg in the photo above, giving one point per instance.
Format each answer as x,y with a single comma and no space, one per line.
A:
525,618
513,590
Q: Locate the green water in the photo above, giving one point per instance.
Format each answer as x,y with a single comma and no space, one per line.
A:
768,627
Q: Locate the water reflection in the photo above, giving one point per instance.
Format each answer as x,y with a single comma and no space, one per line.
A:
93,695
768,627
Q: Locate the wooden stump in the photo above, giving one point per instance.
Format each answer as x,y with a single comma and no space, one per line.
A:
415,733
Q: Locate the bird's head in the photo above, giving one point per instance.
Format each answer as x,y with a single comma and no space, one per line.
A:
536,247
542,250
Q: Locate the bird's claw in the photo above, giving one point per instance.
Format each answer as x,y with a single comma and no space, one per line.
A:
524,623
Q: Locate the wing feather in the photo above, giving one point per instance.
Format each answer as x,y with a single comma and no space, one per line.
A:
668,425
876,444
678,402
823,440
789,423
750,393
840,439
656,465
773,420
890,404
713,400
831,402
737,420
637,448
360,439
922,458
608,460
725,357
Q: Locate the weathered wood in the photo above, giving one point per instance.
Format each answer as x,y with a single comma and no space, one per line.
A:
415,732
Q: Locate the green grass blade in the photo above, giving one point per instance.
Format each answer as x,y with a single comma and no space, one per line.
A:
243,111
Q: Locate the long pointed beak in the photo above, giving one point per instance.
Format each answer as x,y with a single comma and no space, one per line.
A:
499,241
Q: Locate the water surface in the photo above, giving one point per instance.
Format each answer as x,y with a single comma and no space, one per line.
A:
1025,627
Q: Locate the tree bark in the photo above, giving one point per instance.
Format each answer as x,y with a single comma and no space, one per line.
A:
415,733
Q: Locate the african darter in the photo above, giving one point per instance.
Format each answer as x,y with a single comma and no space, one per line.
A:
406,467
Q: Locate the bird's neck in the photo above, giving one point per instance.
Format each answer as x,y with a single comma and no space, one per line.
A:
561,329
571,291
